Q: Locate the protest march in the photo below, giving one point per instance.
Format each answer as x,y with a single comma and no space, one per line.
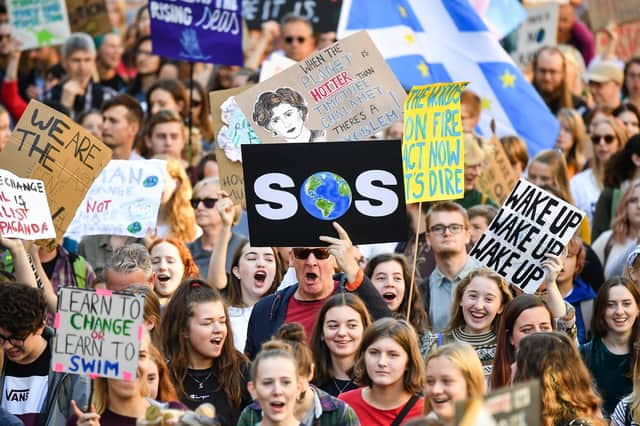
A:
302,213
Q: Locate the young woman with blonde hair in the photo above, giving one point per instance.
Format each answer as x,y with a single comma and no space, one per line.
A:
453,373
572,140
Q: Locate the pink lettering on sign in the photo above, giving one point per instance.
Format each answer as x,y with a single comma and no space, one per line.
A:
331,86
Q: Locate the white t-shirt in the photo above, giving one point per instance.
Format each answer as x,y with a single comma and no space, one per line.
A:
585,192
239,319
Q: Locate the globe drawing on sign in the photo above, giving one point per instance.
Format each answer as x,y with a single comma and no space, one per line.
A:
325,195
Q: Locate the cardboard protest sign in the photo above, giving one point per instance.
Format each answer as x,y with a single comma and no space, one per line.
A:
530,223
38,23
603,12
540,29
498,177
322,14
88,16
433,144
123,200
517,405
48,145
98,333
294,197
24,210
628,43
232,129
197,31
344,92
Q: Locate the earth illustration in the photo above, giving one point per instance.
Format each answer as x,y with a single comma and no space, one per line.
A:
325,195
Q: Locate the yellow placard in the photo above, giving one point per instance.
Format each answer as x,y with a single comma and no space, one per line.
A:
433,144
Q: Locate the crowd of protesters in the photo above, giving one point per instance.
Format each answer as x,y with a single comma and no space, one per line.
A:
336,334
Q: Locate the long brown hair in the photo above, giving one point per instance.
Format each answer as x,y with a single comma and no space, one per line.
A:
321,353
166,390
599,326
403,334
233,291
419,319
505,351
176,345
457,317
565,385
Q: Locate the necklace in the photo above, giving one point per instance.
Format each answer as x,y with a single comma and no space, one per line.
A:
200,383
341,389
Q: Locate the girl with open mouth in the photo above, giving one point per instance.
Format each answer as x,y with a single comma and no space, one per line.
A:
477,308
610,355
453,373
171,262
255,273
198,342
390,275
275,385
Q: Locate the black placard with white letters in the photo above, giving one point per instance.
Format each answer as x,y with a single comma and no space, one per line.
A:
295,191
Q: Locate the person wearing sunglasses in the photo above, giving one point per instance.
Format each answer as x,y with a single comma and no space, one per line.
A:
315,268
30,389
206,194
297,35
607,137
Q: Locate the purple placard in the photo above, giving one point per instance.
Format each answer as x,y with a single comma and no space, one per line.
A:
197,30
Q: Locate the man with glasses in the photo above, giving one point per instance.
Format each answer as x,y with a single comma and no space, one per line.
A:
297,36
447,234
30,389
315,268
550,81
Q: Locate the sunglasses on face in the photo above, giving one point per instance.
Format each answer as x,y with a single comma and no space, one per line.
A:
595,139
290,39
208,202
318,253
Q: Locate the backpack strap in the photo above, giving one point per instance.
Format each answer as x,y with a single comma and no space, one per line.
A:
586,306
405,410
79,270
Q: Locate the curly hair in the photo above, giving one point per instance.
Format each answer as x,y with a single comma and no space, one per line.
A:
22,308
190,268
176,344
565,385
182,218
267,101
419,319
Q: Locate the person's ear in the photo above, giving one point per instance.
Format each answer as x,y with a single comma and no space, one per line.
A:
252,390
236,272
152,280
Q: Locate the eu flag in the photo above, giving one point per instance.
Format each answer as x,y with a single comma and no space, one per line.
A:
431,41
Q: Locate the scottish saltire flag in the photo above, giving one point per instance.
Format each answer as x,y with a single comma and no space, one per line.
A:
431,41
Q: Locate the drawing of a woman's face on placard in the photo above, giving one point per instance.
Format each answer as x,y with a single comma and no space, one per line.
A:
284,112
343,92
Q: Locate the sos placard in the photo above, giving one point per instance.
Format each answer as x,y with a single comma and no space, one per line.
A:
295,191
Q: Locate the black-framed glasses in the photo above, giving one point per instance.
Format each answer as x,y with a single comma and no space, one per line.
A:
290,39
455,228
14,340
208,202
595,139
318,253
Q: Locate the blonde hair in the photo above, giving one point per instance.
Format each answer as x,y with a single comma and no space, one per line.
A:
621,135
181,217
572,121
465,359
